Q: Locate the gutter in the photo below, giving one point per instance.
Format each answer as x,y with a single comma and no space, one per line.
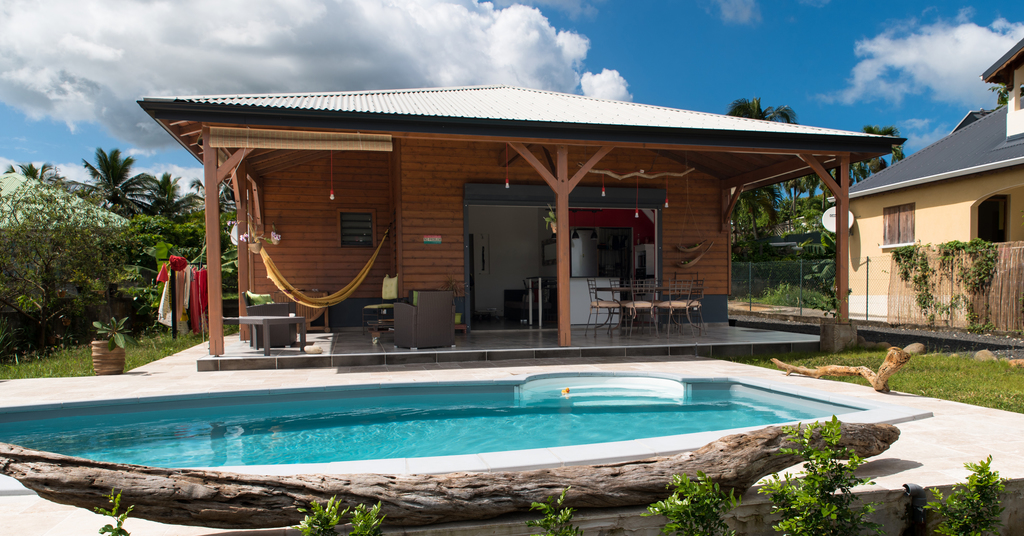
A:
941,176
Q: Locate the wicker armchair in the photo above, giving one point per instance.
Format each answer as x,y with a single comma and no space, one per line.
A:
429,323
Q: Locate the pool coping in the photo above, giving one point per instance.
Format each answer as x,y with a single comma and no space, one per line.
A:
513,460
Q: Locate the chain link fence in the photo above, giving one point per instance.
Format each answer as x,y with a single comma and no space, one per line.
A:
801,287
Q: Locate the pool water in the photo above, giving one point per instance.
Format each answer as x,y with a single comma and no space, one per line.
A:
404,422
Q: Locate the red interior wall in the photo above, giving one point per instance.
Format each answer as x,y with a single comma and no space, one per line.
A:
643,228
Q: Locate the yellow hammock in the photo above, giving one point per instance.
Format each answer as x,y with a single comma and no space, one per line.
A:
274,275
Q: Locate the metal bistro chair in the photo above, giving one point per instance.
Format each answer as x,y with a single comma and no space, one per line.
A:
597,304
641,302
676,302
694,307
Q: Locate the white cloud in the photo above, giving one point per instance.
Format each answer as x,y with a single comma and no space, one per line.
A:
941,60
739,11
920,134
97,57
608,84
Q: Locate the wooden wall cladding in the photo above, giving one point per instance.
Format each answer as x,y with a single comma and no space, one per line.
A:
297,202
434,173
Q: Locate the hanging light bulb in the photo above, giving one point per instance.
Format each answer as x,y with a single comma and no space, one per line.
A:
332,175
637,213
506,164
666,192
602,185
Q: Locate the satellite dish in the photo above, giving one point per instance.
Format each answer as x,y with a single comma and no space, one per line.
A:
234,234
828,219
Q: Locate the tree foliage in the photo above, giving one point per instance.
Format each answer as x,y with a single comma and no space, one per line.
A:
166,200
751,109
59,254
973,508
115,187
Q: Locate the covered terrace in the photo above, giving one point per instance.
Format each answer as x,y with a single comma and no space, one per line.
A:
415,162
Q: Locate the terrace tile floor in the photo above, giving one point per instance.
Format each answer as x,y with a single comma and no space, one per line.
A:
929,452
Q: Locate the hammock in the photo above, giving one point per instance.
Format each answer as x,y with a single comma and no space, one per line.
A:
275,275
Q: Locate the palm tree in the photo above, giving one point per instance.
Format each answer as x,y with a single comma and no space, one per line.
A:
226,197
751,109
878,163
165,200
115,186
761,203
46,173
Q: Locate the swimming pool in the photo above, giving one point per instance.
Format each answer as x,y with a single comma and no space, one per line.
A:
548,419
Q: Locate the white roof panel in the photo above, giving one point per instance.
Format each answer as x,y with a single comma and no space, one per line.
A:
506,103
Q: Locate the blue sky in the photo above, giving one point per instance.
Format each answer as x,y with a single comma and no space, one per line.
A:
72,88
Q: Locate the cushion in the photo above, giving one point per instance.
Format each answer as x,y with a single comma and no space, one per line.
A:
380,306
389,290
258,299
415,298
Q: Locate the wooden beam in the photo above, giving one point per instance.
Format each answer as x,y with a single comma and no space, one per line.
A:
535,163
297,160
825,176
728,204
766,173
225,170
684,160
551,162
582,172
215,306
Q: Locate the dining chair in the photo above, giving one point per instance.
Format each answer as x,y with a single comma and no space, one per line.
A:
641,302
597,304
694,307
676,303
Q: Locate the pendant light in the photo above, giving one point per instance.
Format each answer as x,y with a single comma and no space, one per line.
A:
636,213
602,185
332,175
666,191
506,164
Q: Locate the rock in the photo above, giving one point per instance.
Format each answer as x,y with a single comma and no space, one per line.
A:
868,345
883,345
914,349
954,355
1017,362
861,341
313,349
984,355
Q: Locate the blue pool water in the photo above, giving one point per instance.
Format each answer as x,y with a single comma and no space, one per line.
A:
374,423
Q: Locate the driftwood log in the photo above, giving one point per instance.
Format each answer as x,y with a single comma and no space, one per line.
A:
237,501
894,360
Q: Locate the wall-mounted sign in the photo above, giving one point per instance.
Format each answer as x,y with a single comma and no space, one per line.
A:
431,239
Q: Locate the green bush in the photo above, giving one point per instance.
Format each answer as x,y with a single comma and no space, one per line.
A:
972,509
321,520
788,295
119,519
695,507
821,502
557,520
366,521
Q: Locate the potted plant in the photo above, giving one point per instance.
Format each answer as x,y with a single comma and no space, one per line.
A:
551,220
254,239
108,349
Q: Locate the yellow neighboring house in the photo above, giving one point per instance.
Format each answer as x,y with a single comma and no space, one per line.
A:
969,184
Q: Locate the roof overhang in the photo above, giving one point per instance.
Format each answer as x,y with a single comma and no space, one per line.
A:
994,166
1001,72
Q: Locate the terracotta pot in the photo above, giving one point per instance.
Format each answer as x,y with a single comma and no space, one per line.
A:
106,361
255,247
554,227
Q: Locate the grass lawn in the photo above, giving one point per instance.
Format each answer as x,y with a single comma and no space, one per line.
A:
77,361
992,384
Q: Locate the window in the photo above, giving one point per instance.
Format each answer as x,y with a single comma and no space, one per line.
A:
899,225
356,229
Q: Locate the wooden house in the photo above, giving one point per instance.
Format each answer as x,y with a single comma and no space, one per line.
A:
448,170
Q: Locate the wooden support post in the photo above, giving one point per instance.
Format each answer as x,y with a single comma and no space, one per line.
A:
239,184
843,239
216,305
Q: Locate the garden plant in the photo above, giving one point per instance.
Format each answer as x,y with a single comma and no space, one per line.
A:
820,502
557,520
695,507
972,508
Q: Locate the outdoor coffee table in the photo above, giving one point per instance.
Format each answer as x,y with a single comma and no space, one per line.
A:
266,322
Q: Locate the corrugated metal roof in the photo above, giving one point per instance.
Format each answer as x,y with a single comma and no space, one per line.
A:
1001,62
979,146
506,103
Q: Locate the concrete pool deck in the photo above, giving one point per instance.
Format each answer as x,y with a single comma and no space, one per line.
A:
930,452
